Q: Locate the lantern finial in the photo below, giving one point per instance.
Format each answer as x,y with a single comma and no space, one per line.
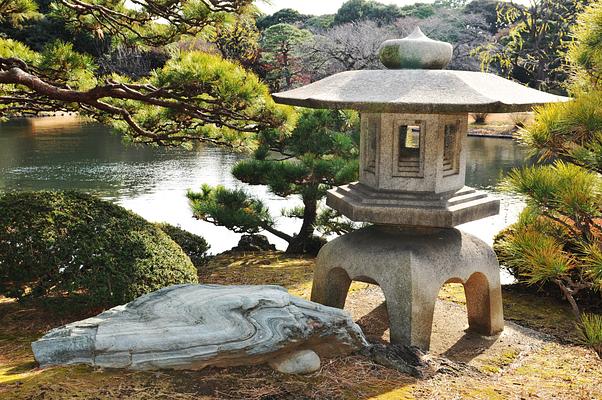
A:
415,51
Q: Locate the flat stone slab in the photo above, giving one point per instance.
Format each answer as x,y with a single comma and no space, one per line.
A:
361,203
417,91
195,326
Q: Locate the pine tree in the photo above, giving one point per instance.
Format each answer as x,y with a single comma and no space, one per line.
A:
321,152
192,96
558,238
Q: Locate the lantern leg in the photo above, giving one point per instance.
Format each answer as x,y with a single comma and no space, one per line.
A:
410,316
484,304
410,265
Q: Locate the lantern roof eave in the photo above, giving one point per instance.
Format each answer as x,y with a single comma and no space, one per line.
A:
418,91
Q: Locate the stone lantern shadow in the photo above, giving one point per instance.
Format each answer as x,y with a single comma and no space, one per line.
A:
411,186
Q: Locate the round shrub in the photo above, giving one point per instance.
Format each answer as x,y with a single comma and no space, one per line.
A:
194,246
57,244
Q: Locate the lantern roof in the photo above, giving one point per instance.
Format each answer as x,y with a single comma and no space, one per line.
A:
417,91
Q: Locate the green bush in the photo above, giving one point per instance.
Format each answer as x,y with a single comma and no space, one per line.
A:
590,328
67,244
194,246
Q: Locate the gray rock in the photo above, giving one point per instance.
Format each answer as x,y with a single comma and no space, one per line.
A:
300,362
195,326
415,51
410,264
253,243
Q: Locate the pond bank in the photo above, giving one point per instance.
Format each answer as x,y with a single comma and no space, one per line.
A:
521,363
68,154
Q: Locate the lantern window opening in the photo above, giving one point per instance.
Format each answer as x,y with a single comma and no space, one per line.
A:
410,146
451,151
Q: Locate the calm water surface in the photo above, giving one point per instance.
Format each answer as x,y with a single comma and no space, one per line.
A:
65,153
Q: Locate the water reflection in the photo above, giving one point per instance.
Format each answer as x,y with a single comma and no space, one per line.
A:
58,153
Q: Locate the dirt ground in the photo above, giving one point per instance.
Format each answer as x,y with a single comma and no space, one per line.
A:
536,357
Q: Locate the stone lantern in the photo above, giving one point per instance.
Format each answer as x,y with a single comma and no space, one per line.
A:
414,119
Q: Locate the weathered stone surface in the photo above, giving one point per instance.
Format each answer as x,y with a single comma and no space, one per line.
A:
300,362
195,326
417,91
434,168
360,203
410,265
415,51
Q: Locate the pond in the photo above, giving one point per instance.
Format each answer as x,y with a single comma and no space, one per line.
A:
65,153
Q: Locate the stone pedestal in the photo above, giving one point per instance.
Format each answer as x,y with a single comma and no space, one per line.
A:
410,265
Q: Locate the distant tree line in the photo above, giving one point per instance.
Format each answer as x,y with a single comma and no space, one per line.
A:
524,42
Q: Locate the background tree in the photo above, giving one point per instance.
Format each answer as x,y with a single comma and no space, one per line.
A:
558,238
358,10
284,16
280,45
346,47
320,22
192,96
532,50
321,152
466,31
489,10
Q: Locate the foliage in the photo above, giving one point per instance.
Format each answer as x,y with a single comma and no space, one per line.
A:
233,209
194,246
72,244
281,53
466,31
354,45
132,62
585,53
349,40
570,131
532,50
320,22
321,152
418,10
358,10
345,47
558,238
489,10
191,96
16,12
239,41
591,331
283,16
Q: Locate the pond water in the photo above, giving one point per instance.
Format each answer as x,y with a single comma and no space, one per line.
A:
66,153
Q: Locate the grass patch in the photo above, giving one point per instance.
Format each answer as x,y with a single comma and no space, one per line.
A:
557,371
495,364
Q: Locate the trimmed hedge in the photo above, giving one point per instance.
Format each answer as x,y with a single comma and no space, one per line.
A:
57,244
194,246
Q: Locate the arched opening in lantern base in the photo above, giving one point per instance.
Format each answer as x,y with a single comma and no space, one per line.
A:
460,320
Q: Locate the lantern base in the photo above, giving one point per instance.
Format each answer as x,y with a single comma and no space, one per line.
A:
410,266
361,203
